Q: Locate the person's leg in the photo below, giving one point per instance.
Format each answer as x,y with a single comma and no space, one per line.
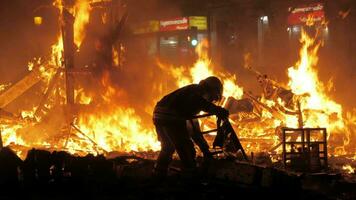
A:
185,148
165,155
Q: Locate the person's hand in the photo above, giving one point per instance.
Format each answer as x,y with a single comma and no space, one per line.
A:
222,113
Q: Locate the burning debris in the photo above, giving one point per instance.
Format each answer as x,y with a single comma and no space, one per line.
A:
109,124
85,111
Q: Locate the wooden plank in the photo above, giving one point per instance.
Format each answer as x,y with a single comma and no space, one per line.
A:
19,88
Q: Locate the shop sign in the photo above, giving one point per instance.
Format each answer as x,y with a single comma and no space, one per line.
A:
198,21
175,24
304,14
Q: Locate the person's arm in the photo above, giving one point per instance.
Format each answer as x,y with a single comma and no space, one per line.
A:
213,109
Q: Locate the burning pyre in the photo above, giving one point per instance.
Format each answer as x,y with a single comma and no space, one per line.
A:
106,121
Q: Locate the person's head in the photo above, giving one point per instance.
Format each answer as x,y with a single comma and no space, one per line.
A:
212,88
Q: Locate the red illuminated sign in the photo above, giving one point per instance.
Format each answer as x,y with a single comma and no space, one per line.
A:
303,14
181,23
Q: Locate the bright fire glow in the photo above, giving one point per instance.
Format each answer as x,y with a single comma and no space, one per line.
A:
318,109
81,13
348,169
110,123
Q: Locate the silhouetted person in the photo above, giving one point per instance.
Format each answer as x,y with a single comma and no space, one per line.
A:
170,116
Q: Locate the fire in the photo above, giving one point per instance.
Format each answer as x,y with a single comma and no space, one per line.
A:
81,97
115,54
57,51
110,123
81,13
231,89
348,169
202,69
114,126
318,109
47,69
29,113
4,86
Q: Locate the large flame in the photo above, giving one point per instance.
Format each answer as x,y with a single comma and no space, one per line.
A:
202,69
304,81
110,123
47,68
114,126
81,13
318,109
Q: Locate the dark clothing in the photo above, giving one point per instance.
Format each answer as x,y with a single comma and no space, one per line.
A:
170,116
175,137
195,132
182,104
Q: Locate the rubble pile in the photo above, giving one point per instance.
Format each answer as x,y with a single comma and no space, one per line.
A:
45,173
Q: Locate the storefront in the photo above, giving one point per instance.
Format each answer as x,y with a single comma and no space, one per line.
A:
174,40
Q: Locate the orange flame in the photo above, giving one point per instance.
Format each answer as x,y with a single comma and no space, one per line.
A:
348,169
81,13
111,124
115,127
318,109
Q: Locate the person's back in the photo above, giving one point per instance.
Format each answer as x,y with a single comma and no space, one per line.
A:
184,102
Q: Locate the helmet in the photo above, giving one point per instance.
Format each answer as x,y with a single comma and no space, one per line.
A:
213,86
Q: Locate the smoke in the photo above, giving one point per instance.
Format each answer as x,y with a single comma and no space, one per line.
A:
139,76
14,39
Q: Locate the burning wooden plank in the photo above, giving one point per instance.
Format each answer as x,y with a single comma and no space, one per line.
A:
22,86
